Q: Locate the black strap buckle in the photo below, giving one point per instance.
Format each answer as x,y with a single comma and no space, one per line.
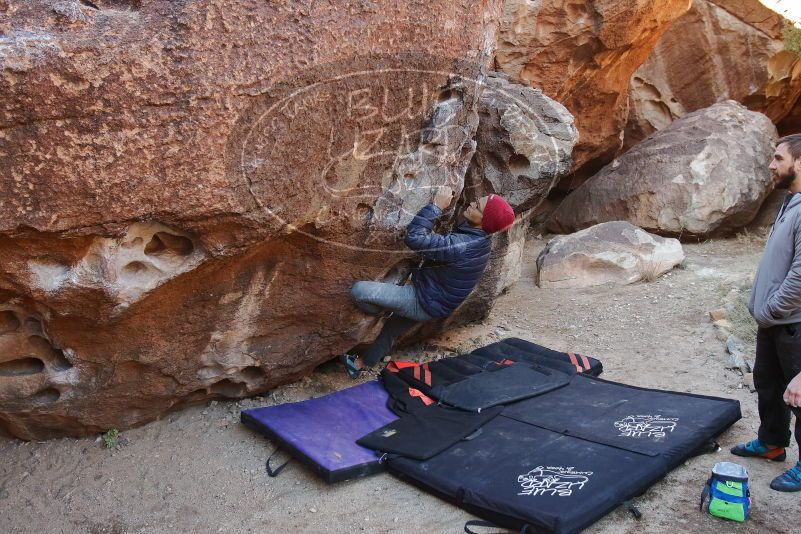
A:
272,473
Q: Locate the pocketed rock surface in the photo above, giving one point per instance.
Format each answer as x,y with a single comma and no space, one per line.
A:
583,54
718,50
199,470
190,188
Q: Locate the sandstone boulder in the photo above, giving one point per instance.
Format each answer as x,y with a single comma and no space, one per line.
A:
524,143
583,55
780,98
190,188
718,50
705,174
766,215
614,252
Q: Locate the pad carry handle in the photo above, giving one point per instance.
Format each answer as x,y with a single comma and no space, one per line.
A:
272,473
489,524
633,510
709,447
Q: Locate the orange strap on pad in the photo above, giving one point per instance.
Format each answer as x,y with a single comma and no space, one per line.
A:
574,361
396,365
428,401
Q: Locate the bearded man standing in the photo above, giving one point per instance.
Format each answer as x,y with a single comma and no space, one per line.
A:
776,306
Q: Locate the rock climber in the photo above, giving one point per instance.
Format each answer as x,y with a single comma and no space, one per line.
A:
453,265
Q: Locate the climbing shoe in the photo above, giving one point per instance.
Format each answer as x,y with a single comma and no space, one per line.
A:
757,449
350,366
790,480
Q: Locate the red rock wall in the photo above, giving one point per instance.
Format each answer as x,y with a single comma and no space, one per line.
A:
718,50
583,54
171,230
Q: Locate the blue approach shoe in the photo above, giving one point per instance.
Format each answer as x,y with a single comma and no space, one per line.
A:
350,366
757,449
790,480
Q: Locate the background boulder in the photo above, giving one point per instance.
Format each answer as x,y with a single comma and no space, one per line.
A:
718,50
704,174
524,143
781,97
614,252
583,54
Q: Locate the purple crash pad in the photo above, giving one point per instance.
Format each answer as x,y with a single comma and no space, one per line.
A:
322,432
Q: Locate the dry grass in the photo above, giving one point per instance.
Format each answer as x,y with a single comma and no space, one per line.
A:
743,325
751,240
650,270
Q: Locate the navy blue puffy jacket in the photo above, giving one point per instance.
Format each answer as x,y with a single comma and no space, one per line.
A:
453,263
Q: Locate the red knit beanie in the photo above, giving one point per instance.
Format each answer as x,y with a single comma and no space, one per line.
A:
498,215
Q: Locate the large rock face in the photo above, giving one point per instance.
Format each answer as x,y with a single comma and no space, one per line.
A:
583,54
524,144
705,174
614,252
718,50
190,188
780,99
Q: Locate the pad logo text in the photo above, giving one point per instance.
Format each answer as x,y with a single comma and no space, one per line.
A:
554,481
646,426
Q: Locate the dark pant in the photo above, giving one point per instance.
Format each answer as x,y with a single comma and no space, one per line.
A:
379,297
392,329
778,360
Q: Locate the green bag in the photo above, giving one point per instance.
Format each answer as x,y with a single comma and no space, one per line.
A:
727,492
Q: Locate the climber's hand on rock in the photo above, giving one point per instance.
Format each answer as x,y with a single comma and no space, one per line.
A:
443,197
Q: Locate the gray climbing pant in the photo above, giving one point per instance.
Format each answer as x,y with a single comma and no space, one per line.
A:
377,297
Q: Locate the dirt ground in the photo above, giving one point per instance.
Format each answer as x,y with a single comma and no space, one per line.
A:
200,470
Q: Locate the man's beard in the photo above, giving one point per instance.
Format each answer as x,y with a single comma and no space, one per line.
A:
785,181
